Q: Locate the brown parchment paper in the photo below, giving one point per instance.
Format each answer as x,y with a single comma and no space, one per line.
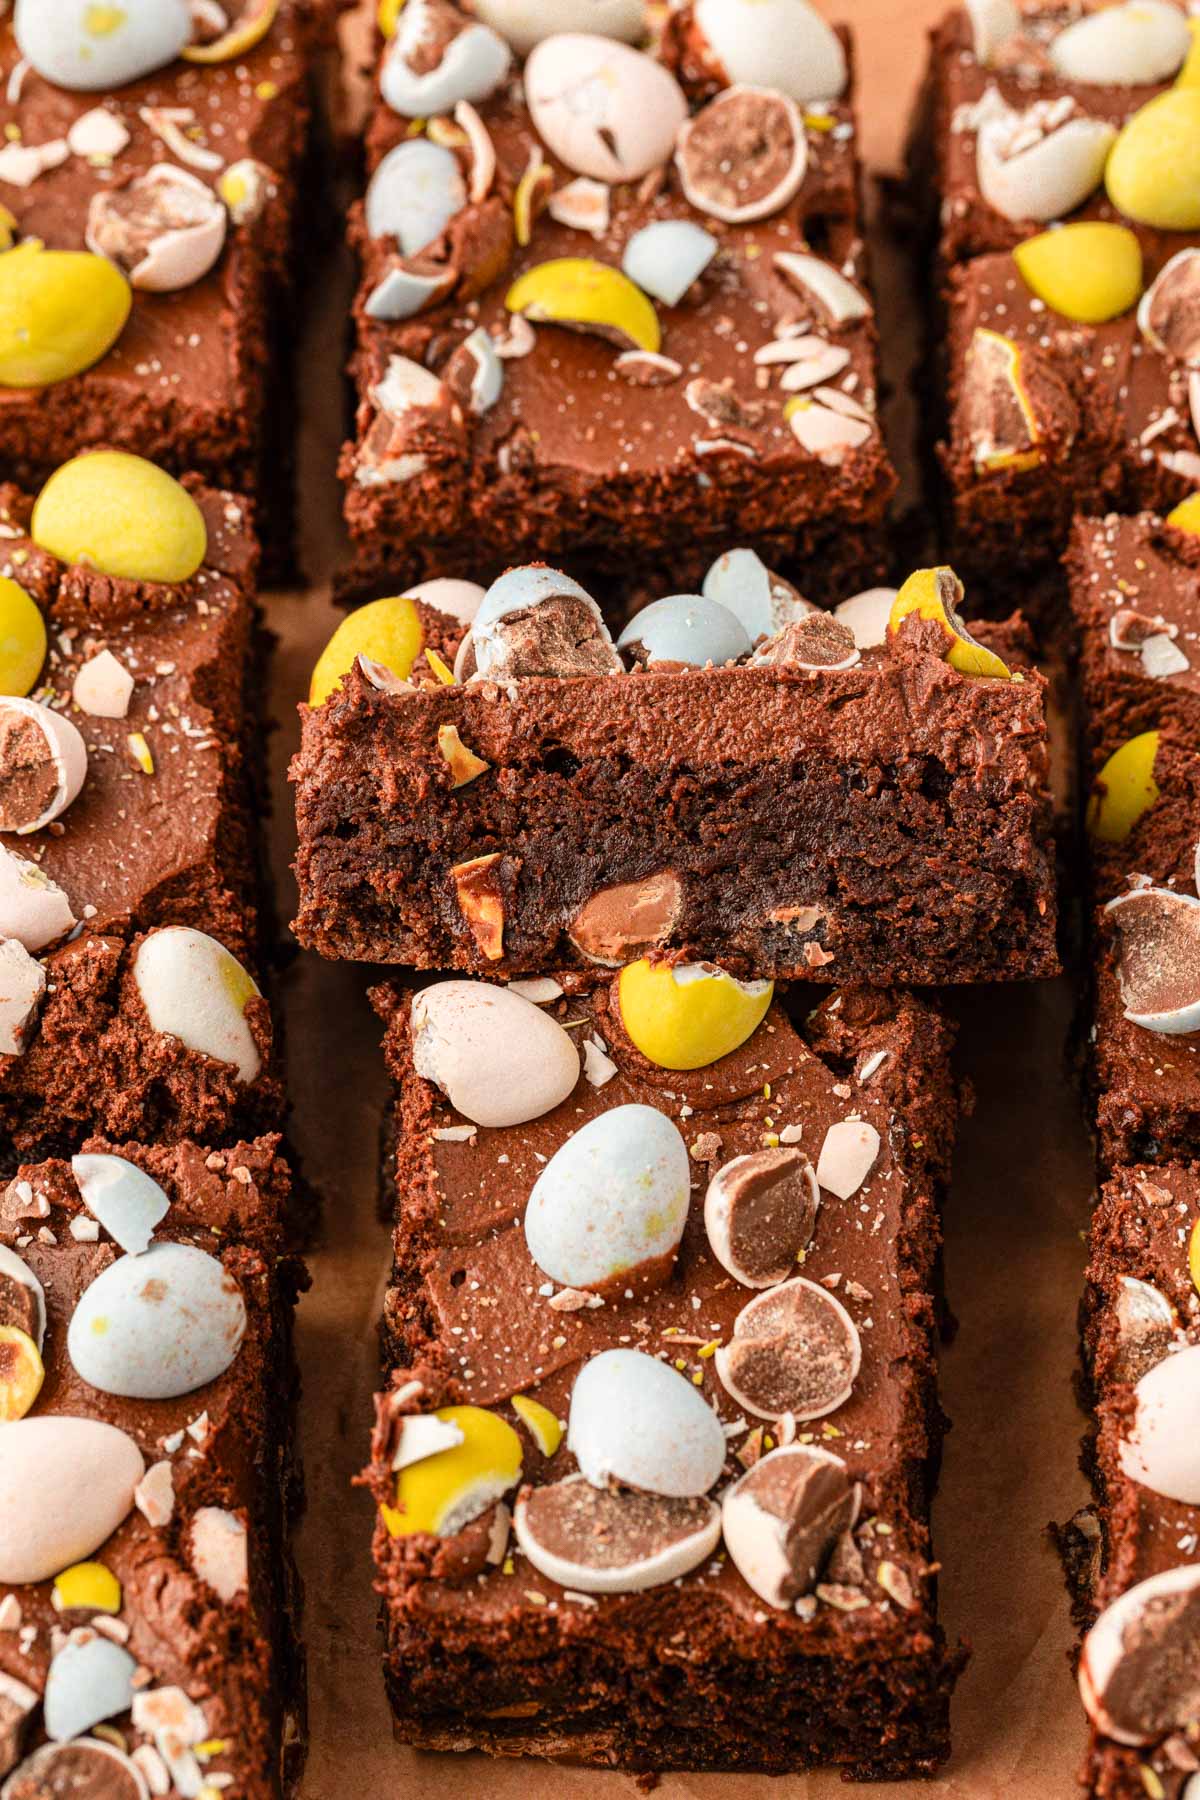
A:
1014,1252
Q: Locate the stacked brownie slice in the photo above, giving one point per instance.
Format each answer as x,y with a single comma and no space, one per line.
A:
655,1456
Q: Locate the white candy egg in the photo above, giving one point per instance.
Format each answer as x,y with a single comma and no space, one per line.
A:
1123,46
1162,1451
867,615
194,990
128,1202
13,1269
637,1420
87,48
666,257
156,1326
88,1681
459,599
498,1059
686,628
414,193
781,44
1050,178
603,109
83,1474
526,22
402,294
473,64
33,909
612,1199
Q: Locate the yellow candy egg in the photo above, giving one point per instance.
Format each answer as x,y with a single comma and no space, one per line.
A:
1186,516
21,1373
60,311
123,516
689,1017
386,631
1153,172
22,639
88,1586
589,296
1088,272
935,594
443,1492
540,1423
1125,789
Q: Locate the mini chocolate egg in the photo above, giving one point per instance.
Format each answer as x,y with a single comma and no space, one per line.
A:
22,1297
685,628
472,61
156,1326
82,1473
608,1210
498,1059
526,22
781,44
867,615
194,990
600,1541
414,193
1158,970
86,48
1137,1667
43,765
603,109
667,256
459,599
164,231
84,1766
1162,1451
638,1421
90,1679
128,1202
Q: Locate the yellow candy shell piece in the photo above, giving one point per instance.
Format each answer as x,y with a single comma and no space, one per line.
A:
540,1423
123,516
21,1373
1153,170
386,631
1186,516
1194,1255
592,296
444,1492
250,30
60,312
1189,75
22,639
934,594
999,359
1088,272
1126,789
388,16
689,1023
88,1586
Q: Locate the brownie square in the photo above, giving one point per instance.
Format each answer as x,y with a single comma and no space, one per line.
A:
1140,1307
192,381
887,821
585,456
207,1601
481,1649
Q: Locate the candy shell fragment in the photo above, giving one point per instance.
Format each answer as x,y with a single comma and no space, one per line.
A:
470,64
103,688
993,23
867,615
999,417
241,38
218,1549
1162,1449
689,1016
1139,1672
782,1518
1153,173
759,1213
838,297
743,156
60,312
127,1202
848,1154
781,44
165,230
90,1679
1124,790
194,990
22,987
88,1587
1186,516
120,515
1128,45
608,1210
666,257
1169,313
387,631
82,1767
1087,271
540,1423
794,1349
587,296
760,600
442,1493
935,594
1146,1328
595,1541
637,1421
22,1298
84,1472
1159,968
21,1373
603,109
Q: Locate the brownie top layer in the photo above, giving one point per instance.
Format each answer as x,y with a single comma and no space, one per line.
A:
184,347
1135,597
481,1322
1018,75
569,400
187,1586
158,832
